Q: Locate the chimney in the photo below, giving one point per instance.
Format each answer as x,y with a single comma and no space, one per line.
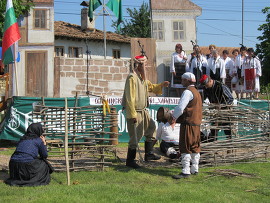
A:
85,23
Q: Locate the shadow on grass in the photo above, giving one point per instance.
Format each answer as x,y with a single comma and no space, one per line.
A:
3,175
166,172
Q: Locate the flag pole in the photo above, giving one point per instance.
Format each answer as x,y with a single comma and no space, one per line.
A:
151,18
104,29
14,65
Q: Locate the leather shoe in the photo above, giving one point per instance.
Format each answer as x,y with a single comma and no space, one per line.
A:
180,176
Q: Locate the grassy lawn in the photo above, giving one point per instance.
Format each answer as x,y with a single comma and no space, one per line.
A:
121,184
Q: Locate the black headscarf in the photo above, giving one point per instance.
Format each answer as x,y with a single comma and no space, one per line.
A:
33,131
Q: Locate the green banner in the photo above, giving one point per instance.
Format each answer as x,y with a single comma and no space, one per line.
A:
18,116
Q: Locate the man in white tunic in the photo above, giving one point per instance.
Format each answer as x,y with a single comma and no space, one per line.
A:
216,67
227,62
189,113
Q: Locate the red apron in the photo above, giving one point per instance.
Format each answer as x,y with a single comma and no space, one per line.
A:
250,78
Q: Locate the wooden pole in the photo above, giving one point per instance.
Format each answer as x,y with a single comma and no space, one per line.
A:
66,142
114,127
74,128
14,66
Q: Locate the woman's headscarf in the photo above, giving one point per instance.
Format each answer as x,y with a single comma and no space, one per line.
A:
33,131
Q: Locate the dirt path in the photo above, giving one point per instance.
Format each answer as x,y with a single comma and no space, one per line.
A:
121,153
4,159
163,162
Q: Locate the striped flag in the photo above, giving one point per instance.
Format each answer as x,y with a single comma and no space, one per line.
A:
11,34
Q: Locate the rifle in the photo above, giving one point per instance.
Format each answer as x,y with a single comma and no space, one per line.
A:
143,53
193,43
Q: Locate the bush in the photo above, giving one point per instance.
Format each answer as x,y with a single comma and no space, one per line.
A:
265,89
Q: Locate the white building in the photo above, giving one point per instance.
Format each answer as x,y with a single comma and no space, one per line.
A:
44,41
174,21
35,70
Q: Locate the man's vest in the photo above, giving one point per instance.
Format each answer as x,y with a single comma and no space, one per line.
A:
192,114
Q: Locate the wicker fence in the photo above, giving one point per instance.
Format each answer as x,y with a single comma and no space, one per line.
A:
81,138
249,138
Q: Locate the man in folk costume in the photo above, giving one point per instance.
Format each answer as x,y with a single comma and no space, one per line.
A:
190,110
211,47
216,67
217,93
135,102
235,87
228,63
199,67
196,51
239,66
251,72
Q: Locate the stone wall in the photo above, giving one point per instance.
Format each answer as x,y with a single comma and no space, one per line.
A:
105,76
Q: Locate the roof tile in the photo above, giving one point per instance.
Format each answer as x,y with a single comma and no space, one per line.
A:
174,5
205,50
72,31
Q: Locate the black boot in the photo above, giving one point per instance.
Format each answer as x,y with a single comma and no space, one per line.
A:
131,155
149,154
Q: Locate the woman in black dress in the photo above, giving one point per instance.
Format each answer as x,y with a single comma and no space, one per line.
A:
28,165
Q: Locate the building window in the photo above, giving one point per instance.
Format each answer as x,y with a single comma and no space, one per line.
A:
75,52
116,53
59,51
40,18
178,30
158,30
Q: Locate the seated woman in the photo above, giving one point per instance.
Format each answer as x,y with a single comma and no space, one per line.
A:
28,165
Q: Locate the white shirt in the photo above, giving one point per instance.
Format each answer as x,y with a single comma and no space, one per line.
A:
227,62
195,63
186,97
239,61
218,63
233,68
177,58
167,133
252,63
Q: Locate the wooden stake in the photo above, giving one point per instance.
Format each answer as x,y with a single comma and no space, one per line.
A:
66,141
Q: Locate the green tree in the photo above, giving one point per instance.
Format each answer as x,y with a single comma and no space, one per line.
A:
263,49
139,23
21,8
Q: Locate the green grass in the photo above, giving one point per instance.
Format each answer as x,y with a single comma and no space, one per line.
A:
121,184
7,151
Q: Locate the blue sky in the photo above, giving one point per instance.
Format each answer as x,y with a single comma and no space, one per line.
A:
219,24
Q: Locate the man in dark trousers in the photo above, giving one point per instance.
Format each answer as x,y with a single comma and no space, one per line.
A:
189,109
217,93
135,103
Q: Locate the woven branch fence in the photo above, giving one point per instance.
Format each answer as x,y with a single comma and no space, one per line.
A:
81,138
249,138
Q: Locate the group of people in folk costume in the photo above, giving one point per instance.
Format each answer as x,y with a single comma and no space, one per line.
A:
240,73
